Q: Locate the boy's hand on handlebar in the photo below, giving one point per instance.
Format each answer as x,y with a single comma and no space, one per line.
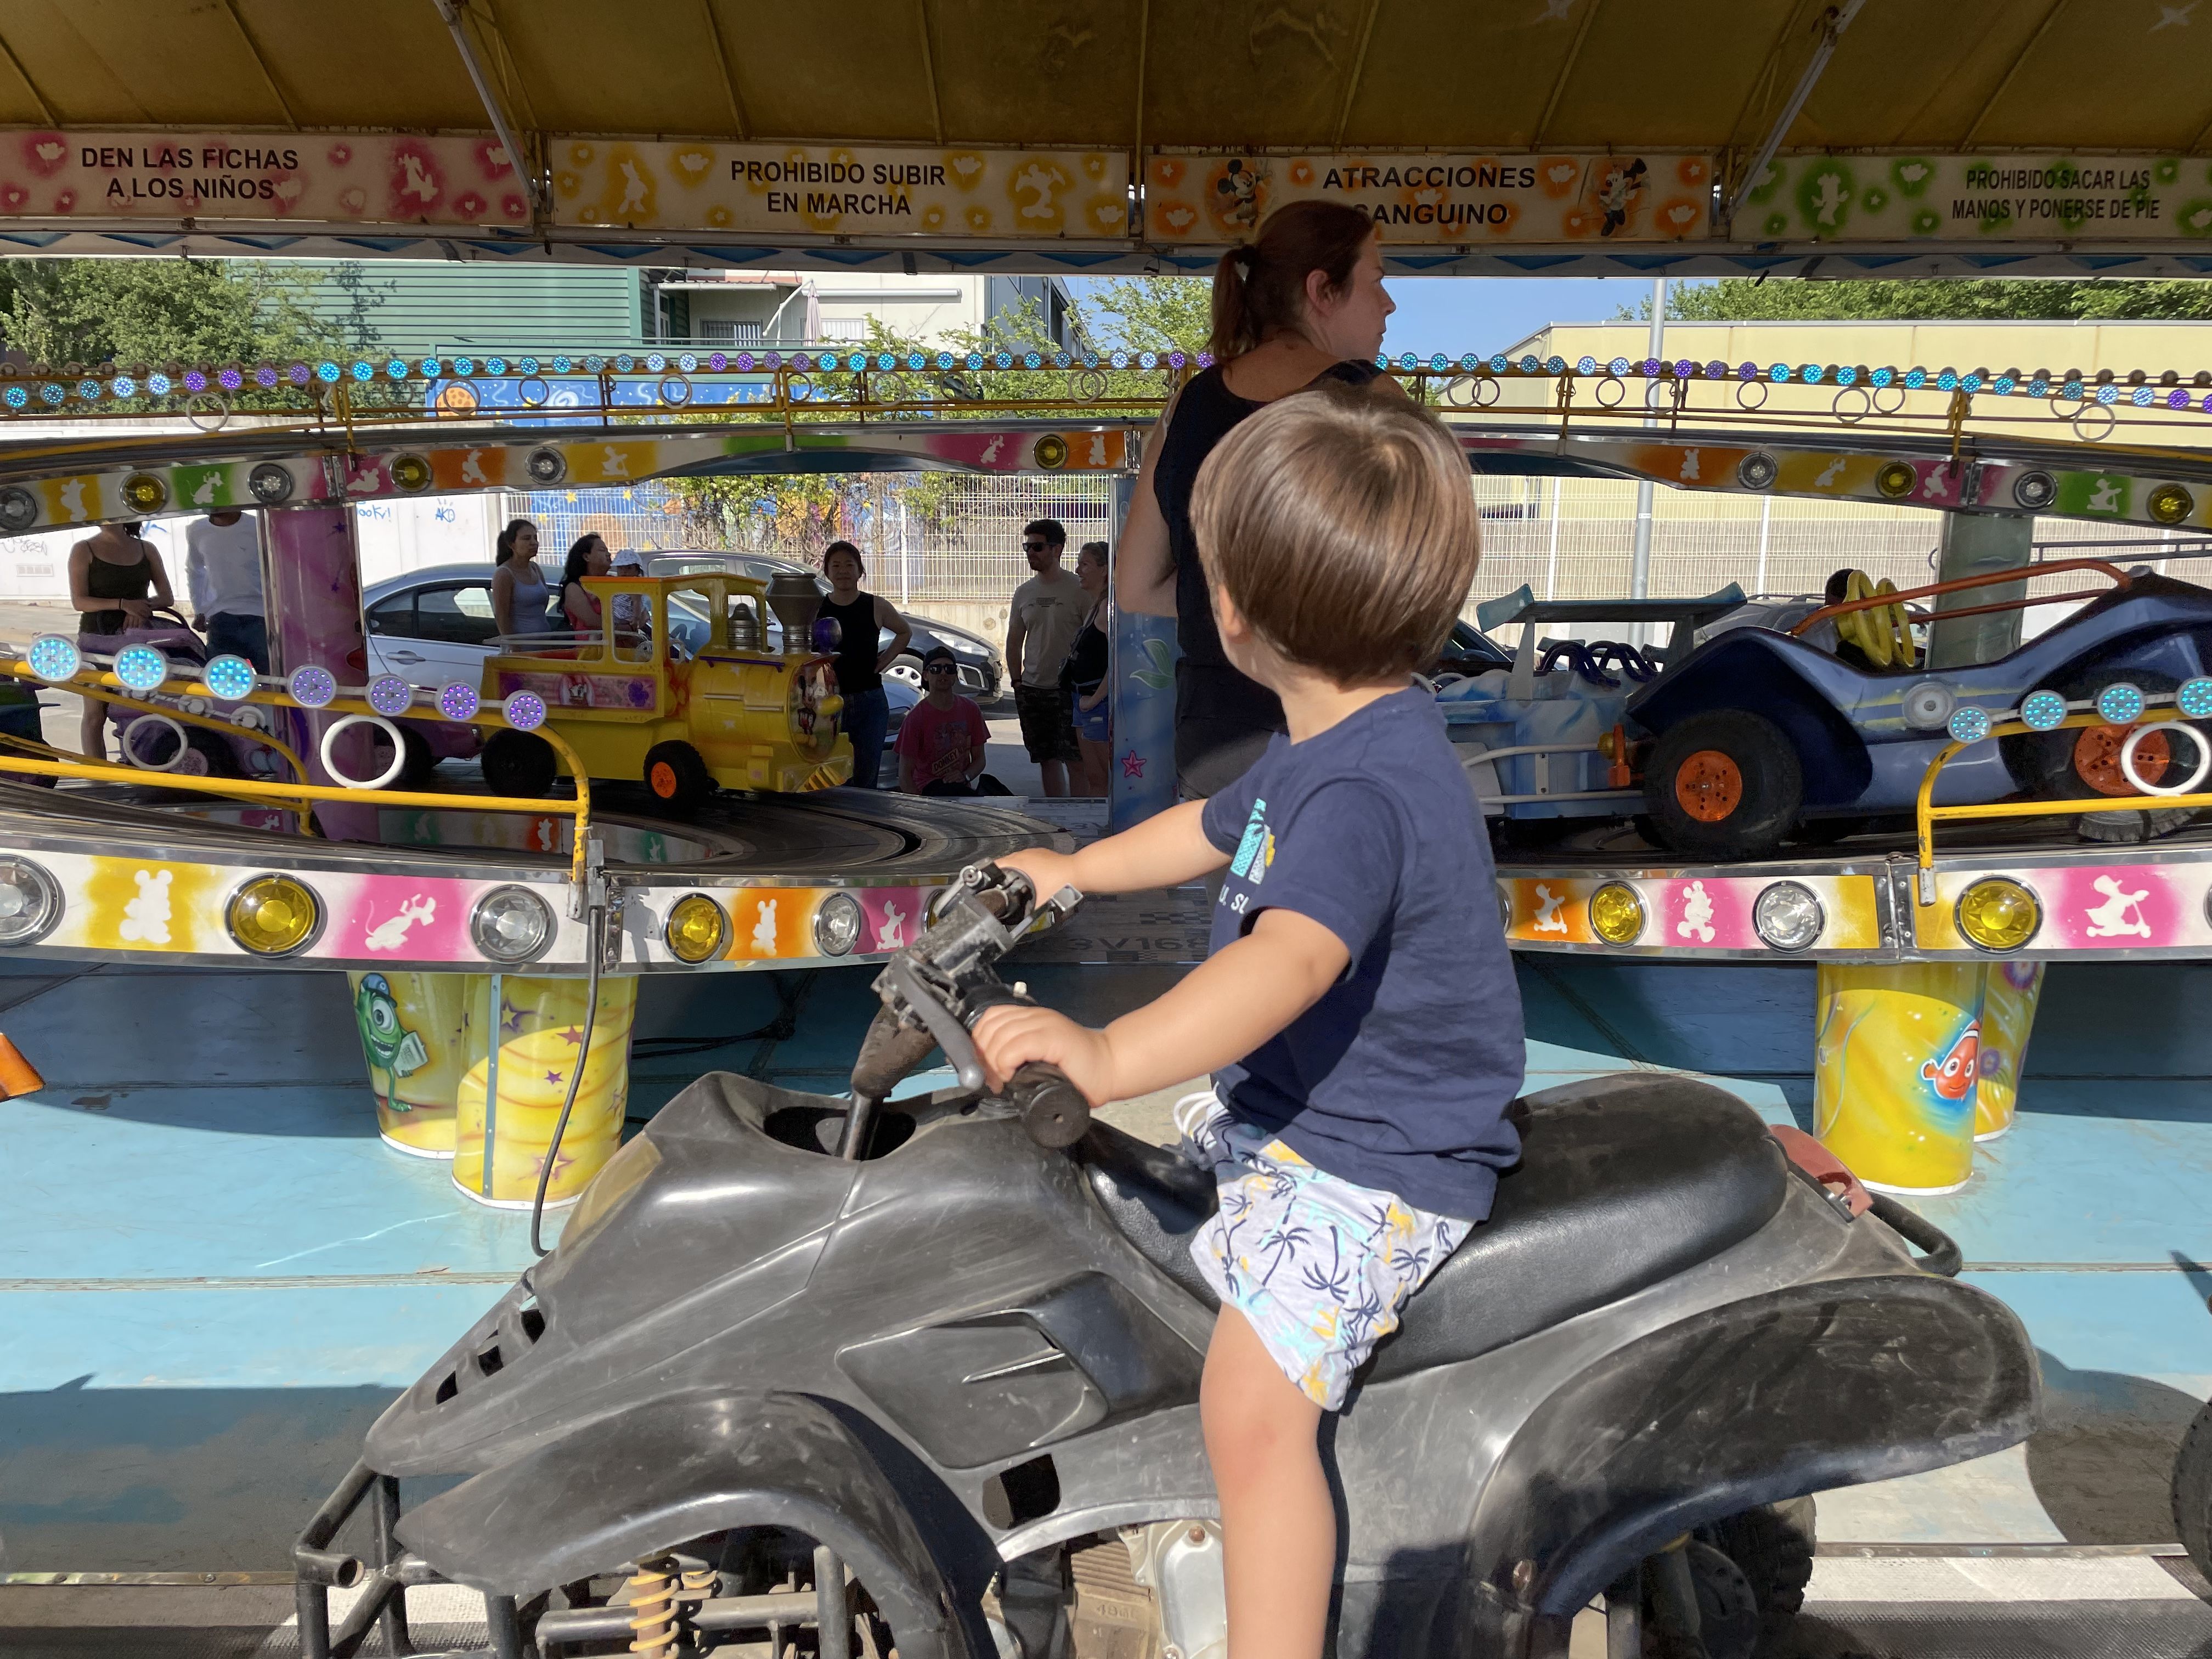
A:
1047,871
1010,1037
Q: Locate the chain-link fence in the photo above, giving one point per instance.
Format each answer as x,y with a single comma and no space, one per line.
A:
956,538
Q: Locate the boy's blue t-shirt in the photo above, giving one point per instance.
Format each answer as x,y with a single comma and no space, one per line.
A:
1399,1077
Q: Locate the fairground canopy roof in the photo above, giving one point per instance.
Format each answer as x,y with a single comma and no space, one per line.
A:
1490,136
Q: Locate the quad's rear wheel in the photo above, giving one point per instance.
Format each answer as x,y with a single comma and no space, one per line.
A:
519,763
1748,1574
679,780
2193,1493
1725,784
1772,1546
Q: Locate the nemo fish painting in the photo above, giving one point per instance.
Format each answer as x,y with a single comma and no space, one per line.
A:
1953,1075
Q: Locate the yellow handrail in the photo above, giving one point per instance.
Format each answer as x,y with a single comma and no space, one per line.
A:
299,794
1926,814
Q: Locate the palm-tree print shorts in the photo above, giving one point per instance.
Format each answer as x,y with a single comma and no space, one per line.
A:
1321,1267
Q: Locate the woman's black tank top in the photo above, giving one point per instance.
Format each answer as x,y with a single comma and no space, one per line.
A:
1208,689
105,579
856,648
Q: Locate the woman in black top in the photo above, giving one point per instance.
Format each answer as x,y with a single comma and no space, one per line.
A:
117,583
862,618
1303,304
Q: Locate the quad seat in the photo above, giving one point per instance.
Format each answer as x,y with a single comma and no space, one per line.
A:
1623,1181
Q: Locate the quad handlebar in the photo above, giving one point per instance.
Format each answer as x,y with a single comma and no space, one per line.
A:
934,992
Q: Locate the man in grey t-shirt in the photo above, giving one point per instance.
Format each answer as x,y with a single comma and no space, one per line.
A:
1046,614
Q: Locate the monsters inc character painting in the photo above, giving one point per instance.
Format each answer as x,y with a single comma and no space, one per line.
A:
391,1049
413,1030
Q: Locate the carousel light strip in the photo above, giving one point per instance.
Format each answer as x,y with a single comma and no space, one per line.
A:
21,390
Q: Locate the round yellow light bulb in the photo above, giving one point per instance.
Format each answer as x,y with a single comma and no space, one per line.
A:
272,916
695,928
1998,914
1616,913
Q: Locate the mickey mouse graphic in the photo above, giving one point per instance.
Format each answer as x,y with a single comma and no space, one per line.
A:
1618,194
1239,189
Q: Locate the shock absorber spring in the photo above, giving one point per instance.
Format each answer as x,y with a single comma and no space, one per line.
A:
699,1585
652,1595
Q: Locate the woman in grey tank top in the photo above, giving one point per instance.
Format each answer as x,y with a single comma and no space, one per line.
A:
520,592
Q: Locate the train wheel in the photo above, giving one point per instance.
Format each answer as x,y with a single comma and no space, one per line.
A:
519,763
679,780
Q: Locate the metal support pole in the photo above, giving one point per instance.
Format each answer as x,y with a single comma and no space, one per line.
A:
1832,25
516,156
1974,543
1552,559
393,1620
1766,530
1639,564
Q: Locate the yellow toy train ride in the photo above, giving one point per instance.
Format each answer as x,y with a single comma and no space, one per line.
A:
694,682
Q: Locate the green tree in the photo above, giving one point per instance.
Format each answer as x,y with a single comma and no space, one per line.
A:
1150,313
151,311
1934,300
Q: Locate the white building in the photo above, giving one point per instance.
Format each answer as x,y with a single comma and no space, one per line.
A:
784,310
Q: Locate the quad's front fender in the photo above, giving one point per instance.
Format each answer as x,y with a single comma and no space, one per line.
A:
677,1469
1833,1384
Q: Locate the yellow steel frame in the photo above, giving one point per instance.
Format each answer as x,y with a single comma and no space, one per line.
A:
1927,815
301,795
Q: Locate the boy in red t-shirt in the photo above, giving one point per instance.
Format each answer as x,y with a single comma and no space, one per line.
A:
941,746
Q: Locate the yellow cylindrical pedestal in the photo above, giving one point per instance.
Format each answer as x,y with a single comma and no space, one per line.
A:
414,1036
2008,1001
1894,1079
527,1041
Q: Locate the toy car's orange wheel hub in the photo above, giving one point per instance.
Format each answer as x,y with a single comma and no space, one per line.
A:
1709,785
662,778
2097,759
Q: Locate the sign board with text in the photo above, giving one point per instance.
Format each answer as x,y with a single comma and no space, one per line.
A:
833,190
326,178
1954,199
1436,198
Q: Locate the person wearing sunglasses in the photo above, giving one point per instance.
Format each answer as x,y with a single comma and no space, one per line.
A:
1042,622
941,745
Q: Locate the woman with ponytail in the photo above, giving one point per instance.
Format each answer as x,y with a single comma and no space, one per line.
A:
1302,304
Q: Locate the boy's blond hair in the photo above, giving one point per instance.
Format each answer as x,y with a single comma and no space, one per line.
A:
1344,526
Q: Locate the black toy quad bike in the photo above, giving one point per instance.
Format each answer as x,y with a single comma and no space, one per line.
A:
846,1377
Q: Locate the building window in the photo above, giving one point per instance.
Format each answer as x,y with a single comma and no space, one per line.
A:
844,328
719,331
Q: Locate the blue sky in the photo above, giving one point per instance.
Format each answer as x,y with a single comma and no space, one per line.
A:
1485,314
1454,314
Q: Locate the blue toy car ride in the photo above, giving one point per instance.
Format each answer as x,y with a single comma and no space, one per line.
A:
1760,735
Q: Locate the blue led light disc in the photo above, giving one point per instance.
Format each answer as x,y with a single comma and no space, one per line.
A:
142,667
2194,699
524,710
389,694
1969,725
54,657
312,687
2121,704
2042,711
231,678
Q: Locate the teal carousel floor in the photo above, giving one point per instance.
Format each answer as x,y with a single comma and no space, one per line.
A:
213,1275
